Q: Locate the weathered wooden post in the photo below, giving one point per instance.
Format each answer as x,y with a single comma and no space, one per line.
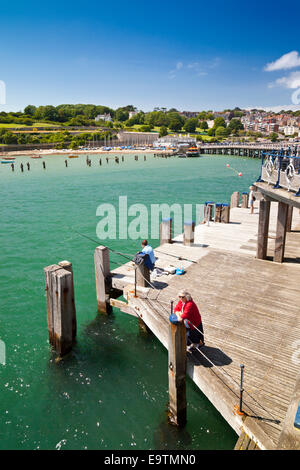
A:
235,199
208,211
289,219
166,231
245,200
188,234
103,278
61,315
142,275
263,229
177,374
280,232
67,265
225,214
218,212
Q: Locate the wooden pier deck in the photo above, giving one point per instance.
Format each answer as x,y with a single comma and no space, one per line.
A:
250,313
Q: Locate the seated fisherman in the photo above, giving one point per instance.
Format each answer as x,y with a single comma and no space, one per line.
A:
148,250
187,311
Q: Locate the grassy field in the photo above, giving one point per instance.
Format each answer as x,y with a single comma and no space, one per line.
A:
17,126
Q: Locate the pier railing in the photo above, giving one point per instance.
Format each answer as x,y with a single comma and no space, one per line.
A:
281,168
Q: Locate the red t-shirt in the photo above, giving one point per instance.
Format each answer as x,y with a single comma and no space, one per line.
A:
189,312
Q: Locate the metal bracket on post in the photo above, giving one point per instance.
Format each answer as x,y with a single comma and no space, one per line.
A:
238,409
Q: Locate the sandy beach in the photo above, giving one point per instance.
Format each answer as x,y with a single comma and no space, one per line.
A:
67,152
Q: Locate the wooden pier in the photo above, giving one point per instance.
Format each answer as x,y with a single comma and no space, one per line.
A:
250,313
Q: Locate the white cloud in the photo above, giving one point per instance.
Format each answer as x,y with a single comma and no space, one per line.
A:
287,61
291,81
179,65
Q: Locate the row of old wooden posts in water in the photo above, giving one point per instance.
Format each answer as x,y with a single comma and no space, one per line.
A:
61,311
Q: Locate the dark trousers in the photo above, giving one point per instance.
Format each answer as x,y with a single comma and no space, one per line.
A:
195,336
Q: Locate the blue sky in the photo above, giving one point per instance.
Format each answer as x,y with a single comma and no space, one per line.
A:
191,55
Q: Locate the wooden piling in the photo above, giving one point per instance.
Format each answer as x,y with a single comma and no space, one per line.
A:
245,200
280,232
177,374
142,275
67,265
188,234
235,199
218,212
103,278
225,214
263,229
166,230
60,308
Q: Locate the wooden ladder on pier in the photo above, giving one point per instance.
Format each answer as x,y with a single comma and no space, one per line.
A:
245,442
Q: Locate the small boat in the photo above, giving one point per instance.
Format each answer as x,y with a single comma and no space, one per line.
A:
9,158
36,156
6,161
73,156
182,155
192,152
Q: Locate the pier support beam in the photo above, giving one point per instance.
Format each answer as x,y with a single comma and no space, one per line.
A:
103,278
61,315
166,231
289,219
280,232
263,229
177,374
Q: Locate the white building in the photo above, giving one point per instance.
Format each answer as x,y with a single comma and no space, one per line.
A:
132,113
103,117
291,130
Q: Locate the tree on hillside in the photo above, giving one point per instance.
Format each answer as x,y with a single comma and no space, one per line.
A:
190,125
273,136
203,125
235,125
175,121
163,131
30,110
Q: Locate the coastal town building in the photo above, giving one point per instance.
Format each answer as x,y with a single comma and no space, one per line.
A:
103,117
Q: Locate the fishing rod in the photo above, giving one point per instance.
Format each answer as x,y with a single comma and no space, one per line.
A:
110,249
174,256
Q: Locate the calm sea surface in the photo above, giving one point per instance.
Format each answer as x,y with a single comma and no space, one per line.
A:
112,392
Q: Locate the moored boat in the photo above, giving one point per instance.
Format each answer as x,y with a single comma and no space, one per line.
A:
73,156
192,152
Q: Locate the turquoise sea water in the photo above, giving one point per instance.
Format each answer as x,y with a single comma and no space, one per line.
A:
112,391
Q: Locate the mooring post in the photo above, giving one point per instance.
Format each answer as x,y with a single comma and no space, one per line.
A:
289,219
245,200
263,229
177,374
103,278
280,232
60,308
235,199
188,234
166,231
208,211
